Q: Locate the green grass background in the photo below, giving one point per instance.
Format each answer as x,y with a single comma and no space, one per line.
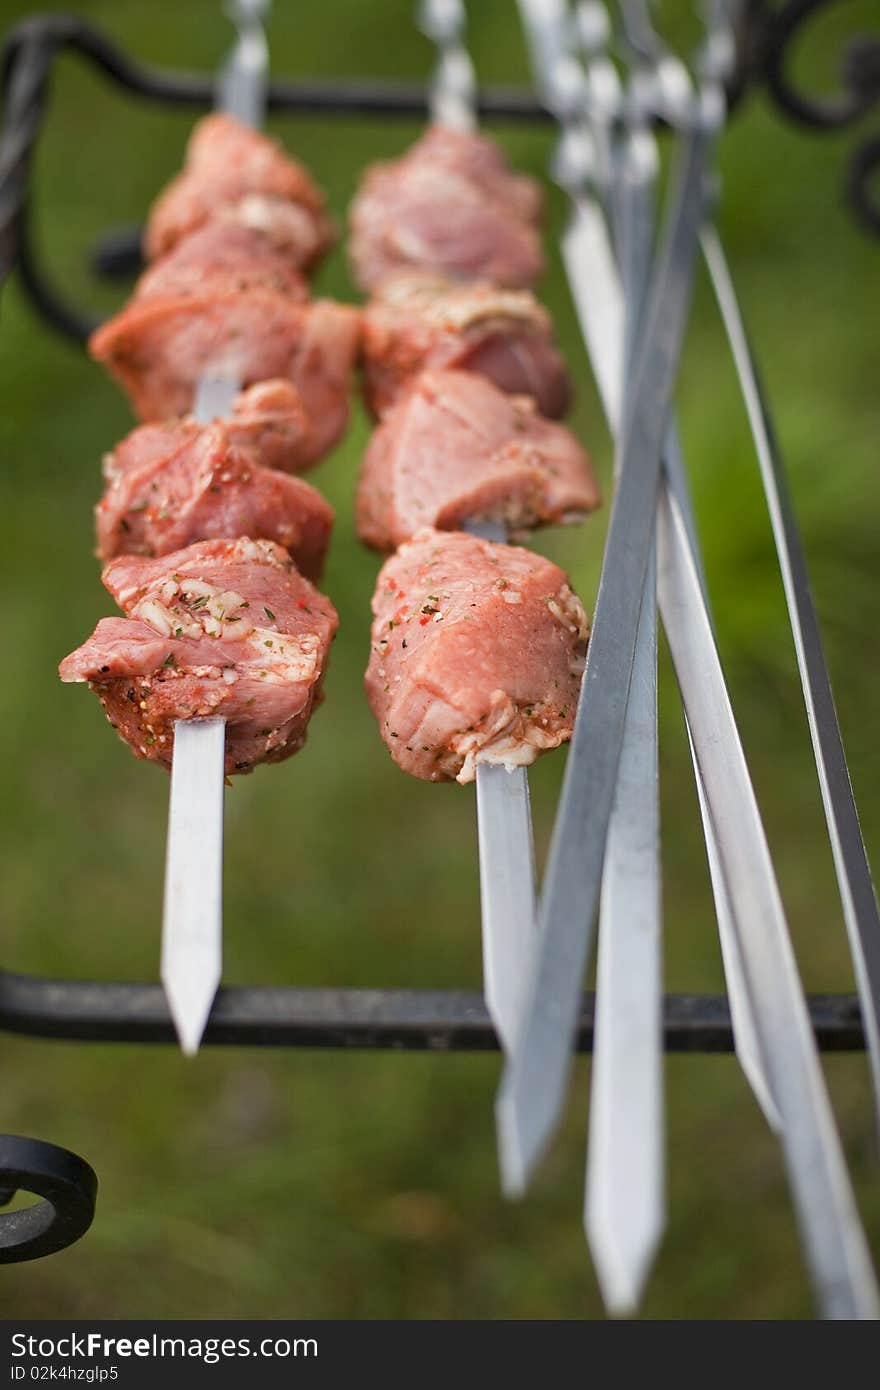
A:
303,1184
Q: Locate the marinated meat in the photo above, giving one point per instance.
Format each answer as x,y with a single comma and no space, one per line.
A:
268,422
477,655
454,449
271,422
479,159
234,172
450,205
418,321
220,258
200,486
159,348
224,628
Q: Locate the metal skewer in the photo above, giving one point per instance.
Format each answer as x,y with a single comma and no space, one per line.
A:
593,279
625,1207
192,926
858,896
625,1191
836,1250
625,1198
837,1254
508,897
534,1083
847,846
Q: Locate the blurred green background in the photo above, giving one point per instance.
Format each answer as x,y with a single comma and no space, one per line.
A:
253,1183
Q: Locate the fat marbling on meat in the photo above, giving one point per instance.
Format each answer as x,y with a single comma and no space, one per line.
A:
418,321
454,448
234,173
183,482
477,653
451,204
223,628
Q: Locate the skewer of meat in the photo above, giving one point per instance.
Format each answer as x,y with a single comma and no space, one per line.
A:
490,224
416,321
227,303
183,481
478,670
219,660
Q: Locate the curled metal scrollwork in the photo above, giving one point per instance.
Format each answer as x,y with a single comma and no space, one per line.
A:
856,96
66,1184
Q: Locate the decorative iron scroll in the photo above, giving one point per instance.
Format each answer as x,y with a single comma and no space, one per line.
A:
774,35
67,1186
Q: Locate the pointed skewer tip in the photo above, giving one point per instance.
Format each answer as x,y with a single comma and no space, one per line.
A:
621,1273
513,1162
188,1014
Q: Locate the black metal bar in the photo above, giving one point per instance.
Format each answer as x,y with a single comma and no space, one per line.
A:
406,1019
69,1190
316,96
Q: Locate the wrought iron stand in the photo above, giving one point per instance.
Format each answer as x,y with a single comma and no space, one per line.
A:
87,1011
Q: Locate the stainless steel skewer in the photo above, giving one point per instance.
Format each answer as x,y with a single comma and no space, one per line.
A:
192,928
453,87
858,896
625,1203
508,896
625,1188
592,274
857,893
836,1250
837,1254
533,1087
625,1207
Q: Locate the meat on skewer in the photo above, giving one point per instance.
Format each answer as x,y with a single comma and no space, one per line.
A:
219,258
159,349
268,421
225,629
477,654
235,173
417,321
171,485
450,205
456,449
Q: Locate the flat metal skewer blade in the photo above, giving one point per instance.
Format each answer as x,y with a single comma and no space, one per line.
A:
742,1021
508,900
595,286
533,1087
508,896
192,933
836,1251
192,927
857,892
625,1196
624,1211
745,1039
